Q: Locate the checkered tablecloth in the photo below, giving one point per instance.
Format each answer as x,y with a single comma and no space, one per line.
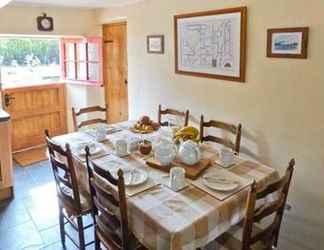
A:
163,219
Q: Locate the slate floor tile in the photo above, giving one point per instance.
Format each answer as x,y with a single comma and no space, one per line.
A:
24,236
30,221
12,214
51,235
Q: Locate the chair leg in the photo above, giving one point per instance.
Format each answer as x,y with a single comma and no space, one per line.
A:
61,222
97,241
81,233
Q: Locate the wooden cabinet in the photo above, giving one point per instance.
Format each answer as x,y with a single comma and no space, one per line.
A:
6,167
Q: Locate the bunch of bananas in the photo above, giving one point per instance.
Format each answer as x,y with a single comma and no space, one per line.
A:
186,133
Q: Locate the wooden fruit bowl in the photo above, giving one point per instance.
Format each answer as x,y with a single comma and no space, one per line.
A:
141,131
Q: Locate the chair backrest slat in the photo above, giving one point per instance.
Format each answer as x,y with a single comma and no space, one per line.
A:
270,233
91,122
109,200
64,172
58,163
174,112
268,210
235,130
88,110
273,187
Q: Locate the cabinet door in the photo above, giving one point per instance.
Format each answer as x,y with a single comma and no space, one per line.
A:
5,155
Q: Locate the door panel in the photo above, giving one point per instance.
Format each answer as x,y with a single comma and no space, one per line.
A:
115,71
34,109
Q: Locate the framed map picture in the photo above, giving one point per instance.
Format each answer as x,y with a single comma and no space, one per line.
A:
288,43
212,44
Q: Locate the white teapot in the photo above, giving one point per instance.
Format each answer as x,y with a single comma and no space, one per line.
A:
165,152
189,152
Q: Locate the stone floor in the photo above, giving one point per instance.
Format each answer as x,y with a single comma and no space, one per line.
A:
30,221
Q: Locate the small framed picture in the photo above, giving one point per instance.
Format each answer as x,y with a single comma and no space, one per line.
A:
288,43
155,44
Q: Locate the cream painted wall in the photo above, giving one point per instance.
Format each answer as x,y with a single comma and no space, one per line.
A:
67,22
280,105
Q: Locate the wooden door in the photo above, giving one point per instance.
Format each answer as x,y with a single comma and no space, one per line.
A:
34,109
115,71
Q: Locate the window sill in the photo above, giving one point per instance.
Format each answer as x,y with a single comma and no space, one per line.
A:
81,83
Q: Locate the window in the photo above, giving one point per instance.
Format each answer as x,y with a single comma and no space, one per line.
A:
29,60
82,60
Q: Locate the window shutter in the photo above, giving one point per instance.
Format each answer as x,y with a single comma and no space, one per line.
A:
82,60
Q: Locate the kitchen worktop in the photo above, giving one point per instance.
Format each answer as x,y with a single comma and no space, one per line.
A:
4,116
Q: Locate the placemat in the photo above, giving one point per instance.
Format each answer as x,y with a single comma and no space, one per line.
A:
113,163
222,173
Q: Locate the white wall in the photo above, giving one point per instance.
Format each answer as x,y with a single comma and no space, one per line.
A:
67,22
280,105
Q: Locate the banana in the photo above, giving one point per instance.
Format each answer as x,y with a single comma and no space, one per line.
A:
186,133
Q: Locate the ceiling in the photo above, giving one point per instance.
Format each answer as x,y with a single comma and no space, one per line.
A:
74,3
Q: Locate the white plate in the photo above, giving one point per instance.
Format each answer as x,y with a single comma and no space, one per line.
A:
94,149
218,183
134,177
218,162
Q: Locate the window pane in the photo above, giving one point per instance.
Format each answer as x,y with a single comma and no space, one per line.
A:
69,47
82,52
93,52
94,72
70,70
29,60
82,71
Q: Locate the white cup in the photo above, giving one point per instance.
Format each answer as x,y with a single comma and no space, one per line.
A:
227,157
121,148
177,178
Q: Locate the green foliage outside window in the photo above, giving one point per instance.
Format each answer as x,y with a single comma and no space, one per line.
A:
29,51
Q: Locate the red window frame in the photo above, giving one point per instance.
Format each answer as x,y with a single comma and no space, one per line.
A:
76,62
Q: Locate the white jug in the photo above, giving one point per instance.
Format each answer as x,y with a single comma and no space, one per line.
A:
165,152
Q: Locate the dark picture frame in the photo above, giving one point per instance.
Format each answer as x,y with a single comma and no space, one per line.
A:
155,44
239,40
288,42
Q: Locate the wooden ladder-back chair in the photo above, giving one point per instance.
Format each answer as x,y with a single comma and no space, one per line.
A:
174,112
110,209
235,130
71,203
88,110
268,236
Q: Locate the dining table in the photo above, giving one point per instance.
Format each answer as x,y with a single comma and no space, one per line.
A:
159,217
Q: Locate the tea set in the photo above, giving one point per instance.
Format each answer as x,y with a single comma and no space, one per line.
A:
165,151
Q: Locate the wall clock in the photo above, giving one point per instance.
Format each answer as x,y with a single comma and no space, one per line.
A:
45,23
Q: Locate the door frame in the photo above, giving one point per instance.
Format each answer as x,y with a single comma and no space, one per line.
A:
119,22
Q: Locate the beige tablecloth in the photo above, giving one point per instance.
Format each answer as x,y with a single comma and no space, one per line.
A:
163,219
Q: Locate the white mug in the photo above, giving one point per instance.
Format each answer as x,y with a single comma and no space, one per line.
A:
177,178
227,157
121,148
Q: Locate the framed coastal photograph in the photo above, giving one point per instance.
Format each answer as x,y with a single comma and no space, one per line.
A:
212,44
288,43
155,44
